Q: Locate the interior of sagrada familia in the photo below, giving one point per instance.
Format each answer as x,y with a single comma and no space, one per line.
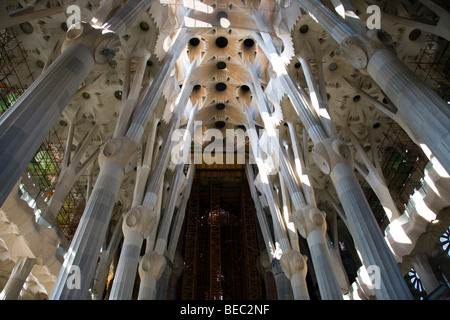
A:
224,150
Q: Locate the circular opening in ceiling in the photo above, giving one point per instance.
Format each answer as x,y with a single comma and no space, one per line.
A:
222,14
144,26
249,43
415,34
86,95
304,28
356,98
221,65
194,42
377,125
197,87
223,19
245,88
220,124
149,63
221,86
26,27
63,123
297,65
333,67
118,95
221,42
220,106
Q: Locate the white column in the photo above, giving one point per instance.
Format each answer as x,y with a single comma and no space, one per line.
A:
136,226
117,158
16,280
312,226
295,269
426,275
333,158
24,126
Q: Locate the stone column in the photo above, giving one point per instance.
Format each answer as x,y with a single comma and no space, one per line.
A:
373,53
126,16
117,158
313,227
163,282
24,126
16,280
333,157
137,225
426,275
295,269
284,288
266,272
69,175
177,270
151,269
101,274
426,113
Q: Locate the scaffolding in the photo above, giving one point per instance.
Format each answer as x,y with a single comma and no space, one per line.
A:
221,247
44,170
433,65
12,56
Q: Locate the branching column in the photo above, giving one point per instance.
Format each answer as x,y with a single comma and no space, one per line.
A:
373,51
117,158
24,126
290,262
333,157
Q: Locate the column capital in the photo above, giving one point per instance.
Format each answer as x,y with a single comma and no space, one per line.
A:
329,152
122,151
264,263
103,45
152,264
293,262
308,219
140,219
357,50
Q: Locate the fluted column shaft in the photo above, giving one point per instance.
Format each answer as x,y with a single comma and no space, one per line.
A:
367,235
24,126
126,16
119,158
323,268
333,158
427,114
85,246
101,274
426,274
17,279
137,225
416,102
284,289
125,274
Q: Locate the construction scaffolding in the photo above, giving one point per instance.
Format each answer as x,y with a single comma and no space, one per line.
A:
44,170
221,247
12,56
433,65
